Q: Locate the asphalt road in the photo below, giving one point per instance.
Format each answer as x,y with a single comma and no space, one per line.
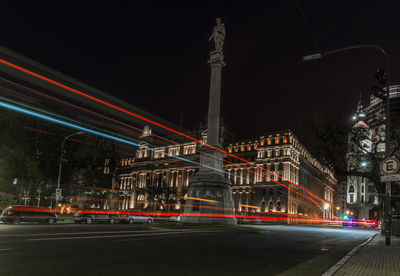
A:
69,249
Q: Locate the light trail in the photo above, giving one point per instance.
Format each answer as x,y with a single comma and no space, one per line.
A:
75,126
83,109
249,206
176,157
201,199
78,127
277,218
146,120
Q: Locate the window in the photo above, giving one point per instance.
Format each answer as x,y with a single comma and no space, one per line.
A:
351,189
269,141
351,198
173,151
362,188
142,180
159,153
362,199
142,152
191,149
277,140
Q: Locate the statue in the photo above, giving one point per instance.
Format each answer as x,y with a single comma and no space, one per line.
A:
218,35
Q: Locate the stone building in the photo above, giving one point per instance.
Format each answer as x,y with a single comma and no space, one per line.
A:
362,196
167,169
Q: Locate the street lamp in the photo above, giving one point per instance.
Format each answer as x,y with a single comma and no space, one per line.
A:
61,157
387,132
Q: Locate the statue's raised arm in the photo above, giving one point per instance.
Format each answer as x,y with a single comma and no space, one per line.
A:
218,35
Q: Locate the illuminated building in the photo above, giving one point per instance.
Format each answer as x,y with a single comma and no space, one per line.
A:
362,197
254,190
376,113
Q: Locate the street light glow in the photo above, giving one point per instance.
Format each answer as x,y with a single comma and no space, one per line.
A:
326,206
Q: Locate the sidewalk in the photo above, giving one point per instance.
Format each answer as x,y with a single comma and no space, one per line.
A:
374,258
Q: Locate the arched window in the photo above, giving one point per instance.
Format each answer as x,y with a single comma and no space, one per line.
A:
263,206
278,205
270,206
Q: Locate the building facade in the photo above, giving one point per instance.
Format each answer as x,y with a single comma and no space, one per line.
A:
158,178
362,198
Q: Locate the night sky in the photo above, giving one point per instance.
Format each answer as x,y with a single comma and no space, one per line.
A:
154,55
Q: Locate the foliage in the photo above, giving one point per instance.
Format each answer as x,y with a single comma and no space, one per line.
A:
6,199
30,152
102,153
330,137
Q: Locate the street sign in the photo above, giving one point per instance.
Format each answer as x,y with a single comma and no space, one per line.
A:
390,177
58,193
390,165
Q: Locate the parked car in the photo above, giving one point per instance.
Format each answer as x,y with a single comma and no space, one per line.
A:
243,220
131,219
17,214
89,217
174,218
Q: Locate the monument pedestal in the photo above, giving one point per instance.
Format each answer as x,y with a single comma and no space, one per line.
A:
209,199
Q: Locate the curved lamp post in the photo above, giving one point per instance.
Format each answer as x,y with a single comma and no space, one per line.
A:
387,132
61,157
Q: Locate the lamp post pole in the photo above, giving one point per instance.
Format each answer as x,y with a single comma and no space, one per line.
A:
387,206
60,166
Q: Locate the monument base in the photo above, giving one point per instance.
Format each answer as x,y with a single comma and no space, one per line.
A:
209,200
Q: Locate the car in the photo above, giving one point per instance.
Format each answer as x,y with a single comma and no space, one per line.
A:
174,218
243,221
17,214
131,219
91,216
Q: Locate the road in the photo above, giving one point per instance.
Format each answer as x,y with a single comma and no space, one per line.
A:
69,249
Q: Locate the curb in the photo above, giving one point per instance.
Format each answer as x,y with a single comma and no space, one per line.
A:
344,260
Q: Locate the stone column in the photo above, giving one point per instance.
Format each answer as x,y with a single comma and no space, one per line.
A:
209,188
211,161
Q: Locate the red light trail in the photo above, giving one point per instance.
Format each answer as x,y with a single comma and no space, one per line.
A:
154,123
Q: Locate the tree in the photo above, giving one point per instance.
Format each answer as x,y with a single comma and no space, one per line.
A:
30,152
99,164
6,199
336,142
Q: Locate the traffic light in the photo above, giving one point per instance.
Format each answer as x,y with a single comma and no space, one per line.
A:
379,90
345,217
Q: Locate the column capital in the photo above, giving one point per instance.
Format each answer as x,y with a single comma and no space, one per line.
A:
216,59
